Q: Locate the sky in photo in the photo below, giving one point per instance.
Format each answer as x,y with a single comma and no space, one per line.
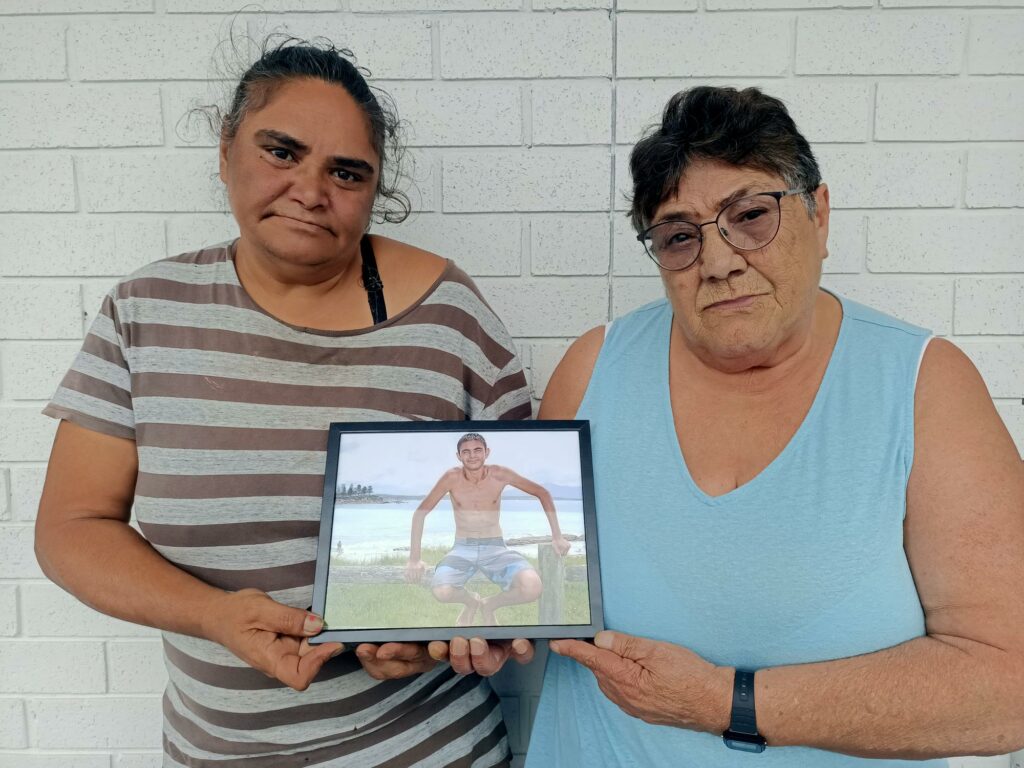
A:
410,463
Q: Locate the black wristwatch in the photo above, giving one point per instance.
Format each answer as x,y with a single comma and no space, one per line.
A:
742,731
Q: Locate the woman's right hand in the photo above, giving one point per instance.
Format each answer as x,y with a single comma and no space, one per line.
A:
270,636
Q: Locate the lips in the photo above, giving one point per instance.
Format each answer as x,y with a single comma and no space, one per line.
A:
302,221
736,301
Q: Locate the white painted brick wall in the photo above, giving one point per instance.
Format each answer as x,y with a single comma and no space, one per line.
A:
8,610
996,44
62,760
13,734
995,177
136,666
482,244
26,487
572,112
33,49
32,370
569,246
667,45
906,111
5,491
21,190
36,310
529,180
31,666
95,722
879,177
939,242
408,54
152,182
53,246
460,114
534,45
866,43
521,116
989,305
81,116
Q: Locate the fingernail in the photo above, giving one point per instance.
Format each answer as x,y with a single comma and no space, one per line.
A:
313,623
362,653
555,646
603,639
520,645
337,652
477,646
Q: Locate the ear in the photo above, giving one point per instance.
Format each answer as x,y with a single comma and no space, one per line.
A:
821,217
223,158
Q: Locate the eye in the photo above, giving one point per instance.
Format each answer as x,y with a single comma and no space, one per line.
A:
280,153
753,213
677,238
343,174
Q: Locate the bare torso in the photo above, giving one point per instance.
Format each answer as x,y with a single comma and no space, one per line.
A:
476,501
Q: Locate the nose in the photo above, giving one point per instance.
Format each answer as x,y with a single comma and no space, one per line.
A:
308,187
718,259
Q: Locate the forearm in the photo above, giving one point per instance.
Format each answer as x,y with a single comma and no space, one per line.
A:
107,565
549,509
416,538
923,698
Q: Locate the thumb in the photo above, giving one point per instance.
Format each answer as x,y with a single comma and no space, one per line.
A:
291,621
621,644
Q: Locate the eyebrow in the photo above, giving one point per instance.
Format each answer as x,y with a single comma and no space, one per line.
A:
290,142
681,214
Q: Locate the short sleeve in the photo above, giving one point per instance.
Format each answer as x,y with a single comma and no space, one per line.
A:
509,398
96,392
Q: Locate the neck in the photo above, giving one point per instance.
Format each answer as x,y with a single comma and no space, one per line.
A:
475,475
274,275
807,347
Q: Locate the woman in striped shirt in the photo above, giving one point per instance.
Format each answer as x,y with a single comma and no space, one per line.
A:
201,398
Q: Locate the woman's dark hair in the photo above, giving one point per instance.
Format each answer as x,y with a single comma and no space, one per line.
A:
745,128
284,58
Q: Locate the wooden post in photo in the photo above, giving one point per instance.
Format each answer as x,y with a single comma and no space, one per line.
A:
552,574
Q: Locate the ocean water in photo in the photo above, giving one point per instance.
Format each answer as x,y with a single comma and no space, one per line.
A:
366,531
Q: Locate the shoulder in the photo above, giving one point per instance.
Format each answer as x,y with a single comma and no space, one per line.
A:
450,475
569,382
955,420
500,472
205,266
947,374
406,265
185,279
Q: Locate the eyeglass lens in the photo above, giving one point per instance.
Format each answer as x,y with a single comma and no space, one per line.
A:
749,223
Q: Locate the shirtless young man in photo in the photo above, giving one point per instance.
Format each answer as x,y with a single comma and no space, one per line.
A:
475,488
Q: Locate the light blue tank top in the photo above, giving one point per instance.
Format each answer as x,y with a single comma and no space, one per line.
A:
803,563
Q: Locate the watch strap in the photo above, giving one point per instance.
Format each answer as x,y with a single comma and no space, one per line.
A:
742,732
744,716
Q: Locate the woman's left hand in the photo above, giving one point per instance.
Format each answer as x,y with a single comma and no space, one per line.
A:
391,661
659,683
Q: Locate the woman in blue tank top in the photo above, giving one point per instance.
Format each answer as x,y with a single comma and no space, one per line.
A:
810,514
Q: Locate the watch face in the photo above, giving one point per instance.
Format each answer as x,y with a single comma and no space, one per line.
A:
743,742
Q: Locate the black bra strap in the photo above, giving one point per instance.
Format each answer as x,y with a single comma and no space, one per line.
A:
372,282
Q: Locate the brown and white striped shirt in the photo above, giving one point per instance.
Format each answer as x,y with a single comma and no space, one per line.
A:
229,409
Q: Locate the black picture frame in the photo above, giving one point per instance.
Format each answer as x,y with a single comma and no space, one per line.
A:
348,589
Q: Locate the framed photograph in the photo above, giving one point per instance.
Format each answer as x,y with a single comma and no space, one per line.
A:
432,530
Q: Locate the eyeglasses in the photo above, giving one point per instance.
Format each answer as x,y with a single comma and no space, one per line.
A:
748,224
